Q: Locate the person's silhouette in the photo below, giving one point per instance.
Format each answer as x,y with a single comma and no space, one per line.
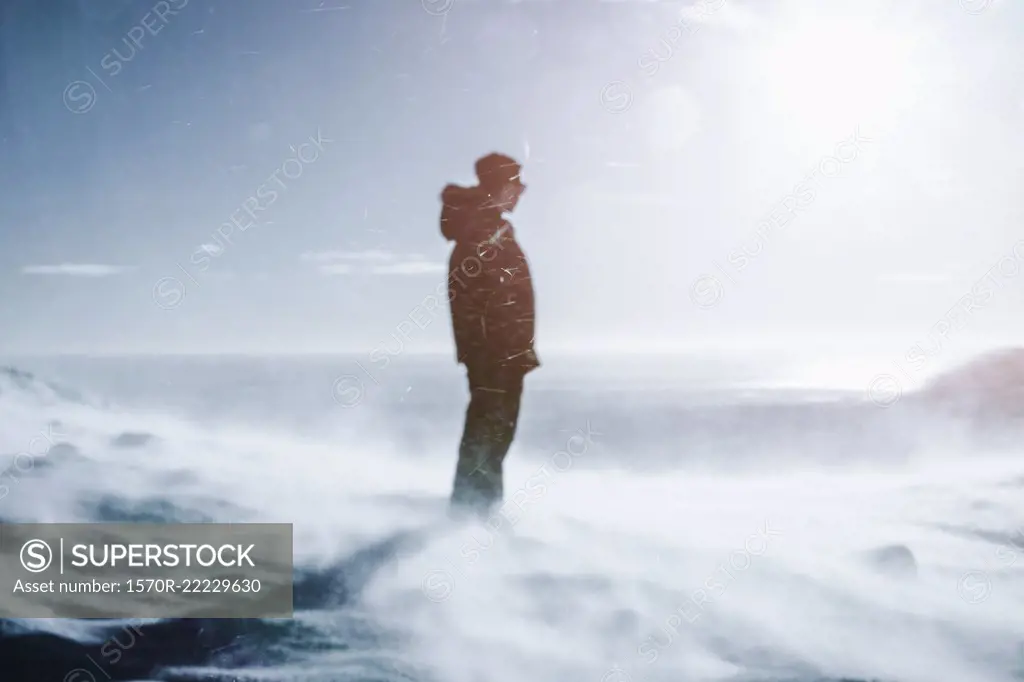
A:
492,306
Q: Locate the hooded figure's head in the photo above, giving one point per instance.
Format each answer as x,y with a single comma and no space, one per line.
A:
474,213
500,176
498,169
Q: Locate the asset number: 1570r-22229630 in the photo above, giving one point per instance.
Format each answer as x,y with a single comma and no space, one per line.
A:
194,585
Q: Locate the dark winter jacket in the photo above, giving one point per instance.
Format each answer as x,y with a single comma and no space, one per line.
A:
489,286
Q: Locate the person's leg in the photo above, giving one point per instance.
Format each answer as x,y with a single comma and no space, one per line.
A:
466,490
491,420
505,421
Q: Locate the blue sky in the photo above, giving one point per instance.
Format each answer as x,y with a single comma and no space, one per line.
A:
658,138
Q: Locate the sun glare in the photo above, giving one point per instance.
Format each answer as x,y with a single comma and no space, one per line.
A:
825,74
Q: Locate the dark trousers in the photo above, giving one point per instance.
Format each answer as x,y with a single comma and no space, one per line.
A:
491,420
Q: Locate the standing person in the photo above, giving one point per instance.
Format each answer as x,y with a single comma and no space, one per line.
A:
492,306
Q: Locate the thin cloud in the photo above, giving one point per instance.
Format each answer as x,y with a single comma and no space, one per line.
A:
371,263
361,256
336,269
75,270
417,267
915,277
644,198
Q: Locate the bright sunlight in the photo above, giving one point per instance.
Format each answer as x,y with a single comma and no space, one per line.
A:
823,74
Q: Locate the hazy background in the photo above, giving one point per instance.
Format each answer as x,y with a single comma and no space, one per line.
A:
112,184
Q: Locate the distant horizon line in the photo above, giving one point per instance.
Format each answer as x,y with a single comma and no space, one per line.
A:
706,347
294,353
